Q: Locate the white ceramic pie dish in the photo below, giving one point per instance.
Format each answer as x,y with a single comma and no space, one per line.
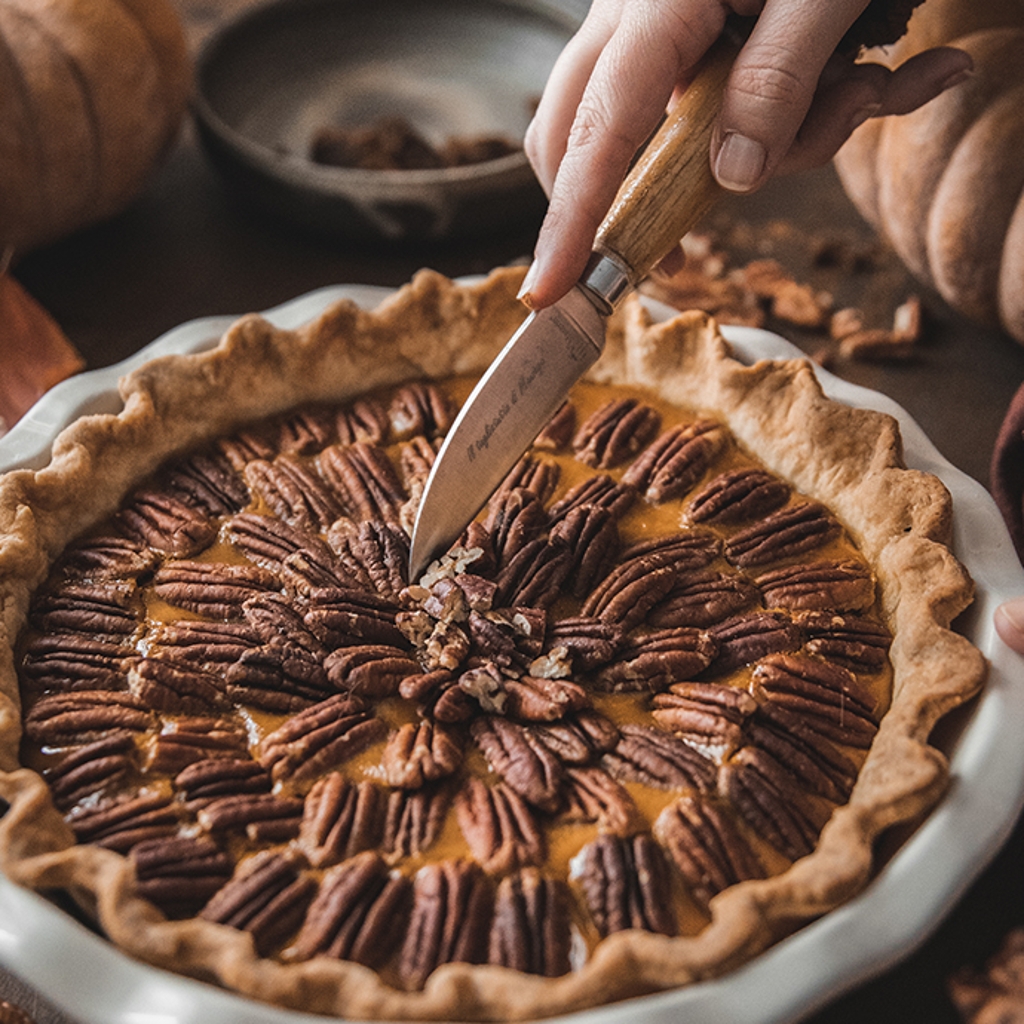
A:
899,909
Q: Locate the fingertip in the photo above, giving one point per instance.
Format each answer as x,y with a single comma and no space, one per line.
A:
1009,623
740,162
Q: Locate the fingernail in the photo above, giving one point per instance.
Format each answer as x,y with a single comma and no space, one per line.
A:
528,282
740,162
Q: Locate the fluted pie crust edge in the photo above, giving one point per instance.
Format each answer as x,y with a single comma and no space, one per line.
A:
849,459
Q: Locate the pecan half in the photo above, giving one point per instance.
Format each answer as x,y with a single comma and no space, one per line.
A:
209,644
592,535
67,719
857,643
213,589
521,759
264,817
656,758
626,884
359,913
107,556
416,459
306,431
421,408
543,700
592,795
744,639
601,491
451,919
243,447
654,661
738,496
106,610
364,479
271,542
277,679
75,661
382,549
177,687
267,897
515,518
531,930
841,586
121,823
704,599
793,530
278,621
364,420
340,819
676,460
439,695
165,523
559,430
534,575
418,753
183,741
587,640
340,616
91,769
538,476
370,670
294,493
203,781
615,433
705,714
208,481
500,827
320,738
180,874
577,739
414,819
706,844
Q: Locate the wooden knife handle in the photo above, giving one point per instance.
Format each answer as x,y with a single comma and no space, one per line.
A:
671,186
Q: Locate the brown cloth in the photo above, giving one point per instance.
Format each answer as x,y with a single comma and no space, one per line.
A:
1007,470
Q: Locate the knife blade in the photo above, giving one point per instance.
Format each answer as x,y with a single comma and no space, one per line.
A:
668,190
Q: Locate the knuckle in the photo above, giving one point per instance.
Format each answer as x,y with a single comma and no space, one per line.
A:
773,78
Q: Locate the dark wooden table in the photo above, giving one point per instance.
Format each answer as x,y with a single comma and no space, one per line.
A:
185,249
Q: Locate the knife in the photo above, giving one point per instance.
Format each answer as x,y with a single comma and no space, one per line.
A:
667,191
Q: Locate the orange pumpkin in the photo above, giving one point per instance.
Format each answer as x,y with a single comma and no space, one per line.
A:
945,183
92,92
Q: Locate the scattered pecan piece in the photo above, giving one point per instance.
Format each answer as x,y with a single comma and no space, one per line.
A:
267,897
857,643
577,739
180,874
521,759
744,639
770,801
707,846
364,420
306,431
531,929
319,738
215,590
601,491
204,781
105,610
703,599
125,821
841,586
675,461
559,430
656,758
793,530
359,913
178,687
421,408
418,753
592,795
370,670
68,719
91,769
165,523
653,661
414,819
500,827
626,884
208,481
185,740
615,433
340,819
587,640
340,616
294,493
705,714
592,535
75,661
451,917
364,479
738,496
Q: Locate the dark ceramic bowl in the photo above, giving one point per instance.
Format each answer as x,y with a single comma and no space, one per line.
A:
271,80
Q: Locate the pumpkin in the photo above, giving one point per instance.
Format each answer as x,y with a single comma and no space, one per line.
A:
945,183
92,93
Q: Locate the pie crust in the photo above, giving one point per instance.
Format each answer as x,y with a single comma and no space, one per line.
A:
848,459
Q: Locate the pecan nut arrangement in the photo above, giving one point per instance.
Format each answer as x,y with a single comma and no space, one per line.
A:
647,716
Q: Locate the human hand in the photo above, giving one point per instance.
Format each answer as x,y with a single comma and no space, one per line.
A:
789,104
1009,623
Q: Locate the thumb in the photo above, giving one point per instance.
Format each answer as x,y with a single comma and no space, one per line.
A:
1009,623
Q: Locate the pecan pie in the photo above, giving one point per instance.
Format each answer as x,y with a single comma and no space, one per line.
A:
647,716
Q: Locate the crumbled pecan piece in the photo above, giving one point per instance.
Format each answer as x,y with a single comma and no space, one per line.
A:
364,420
793,530
319,738
738,496
588,641
626,884
364,479
703,599
559,430
203,781
414,819
531,930
178,687
521,759
601,490
592,795
707,846
340,819
107,610
67,719
125,821
842,586
421,408
577,739
829,698
500,827
165,523
534,575
106,556
359,914
592,535
615,433
91,769
294,493
183,741
75,661
515,518
659,759
306,431
338,616
857,643
451,917
675,461
213,589
370,670
263,815
418,753
179,874
543,700
653,661
267,896
705,714
771,802
208,481
744,639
